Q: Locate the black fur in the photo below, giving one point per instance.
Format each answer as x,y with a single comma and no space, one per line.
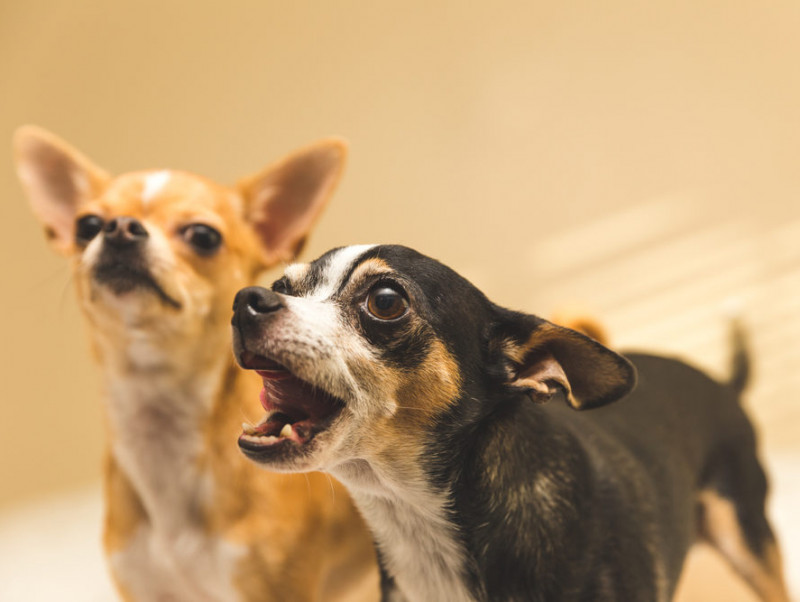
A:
615,504
552,503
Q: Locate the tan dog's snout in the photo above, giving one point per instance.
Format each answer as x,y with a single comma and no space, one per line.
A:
122,243
124,232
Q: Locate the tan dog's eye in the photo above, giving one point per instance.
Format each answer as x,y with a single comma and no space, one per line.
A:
87,227
205,240
385,303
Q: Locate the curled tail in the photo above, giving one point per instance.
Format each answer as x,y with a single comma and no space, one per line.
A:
740,359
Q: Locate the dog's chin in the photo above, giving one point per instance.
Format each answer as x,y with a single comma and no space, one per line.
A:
300,424
131,282
286,456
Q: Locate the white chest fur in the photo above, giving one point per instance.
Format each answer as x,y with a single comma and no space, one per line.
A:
416,540
188,567
157,442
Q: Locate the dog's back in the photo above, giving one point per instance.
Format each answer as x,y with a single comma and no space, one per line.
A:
677,459
618,494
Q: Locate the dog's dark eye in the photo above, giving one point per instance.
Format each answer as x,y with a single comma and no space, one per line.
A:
87,227
204,239
281,286
385,303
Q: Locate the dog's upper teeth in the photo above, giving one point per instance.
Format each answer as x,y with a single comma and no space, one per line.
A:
248,428
286,431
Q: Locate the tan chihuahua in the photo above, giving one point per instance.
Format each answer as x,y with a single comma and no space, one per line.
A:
157,257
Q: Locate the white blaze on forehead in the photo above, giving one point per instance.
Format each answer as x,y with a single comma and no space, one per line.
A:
154,183
338,266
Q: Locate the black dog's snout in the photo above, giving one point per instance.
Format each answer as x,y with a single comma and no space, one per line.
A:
124,231
256,301
251,308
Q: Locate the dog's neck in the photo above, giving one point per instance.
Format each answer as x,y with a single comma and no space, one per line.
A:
414,510
160,401
409,519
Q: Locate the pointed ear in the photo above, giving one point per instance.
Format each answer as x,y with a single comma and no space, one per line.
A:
57,179
546,359
284,201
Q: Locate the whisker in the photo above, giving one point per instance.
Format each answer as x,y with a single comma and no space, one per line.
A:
333,491
245,417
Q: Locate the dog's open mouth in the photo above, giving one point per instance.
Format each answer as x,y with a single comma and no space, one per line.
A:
296,411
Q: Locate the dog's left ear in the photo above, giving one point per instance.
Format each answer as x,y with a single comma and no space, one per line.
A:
284,200
546,359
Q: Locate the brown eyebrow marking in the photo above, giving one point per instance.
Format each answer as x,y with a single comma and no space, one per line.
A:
369,267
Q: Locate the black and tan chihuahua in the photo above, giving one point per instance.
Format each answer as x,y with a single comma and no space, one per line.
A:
393,373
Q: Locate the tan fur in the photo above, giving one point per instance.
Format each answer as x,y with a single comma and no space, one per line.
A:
720,527
583,322
300,536
421,396
122,517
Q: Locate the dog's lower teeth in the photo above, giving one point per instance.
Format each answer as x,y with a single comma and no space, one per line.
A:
260,438
286,431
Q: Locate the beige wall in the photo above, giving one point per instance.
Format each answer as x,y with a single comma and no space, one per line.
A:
640,159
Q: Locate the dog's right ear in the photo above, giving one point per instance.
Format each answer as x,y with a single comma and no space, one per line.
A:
284,200
57,179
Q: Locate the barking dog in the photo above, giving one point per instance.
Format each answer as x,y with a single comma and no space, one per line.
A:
391,372
157,257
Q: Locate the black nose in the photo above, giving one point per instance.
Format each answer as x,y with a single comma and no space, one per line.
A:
124,231
256,301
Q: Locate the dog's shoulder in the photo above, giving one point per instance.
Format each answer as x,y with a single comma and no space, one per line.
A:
519,488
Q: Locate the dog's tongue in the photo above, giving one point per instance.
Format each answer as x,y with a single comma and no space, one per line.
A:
263,396
293,407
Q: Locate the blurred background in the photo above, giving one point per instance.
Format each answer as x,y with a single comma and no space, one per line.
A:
637,161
